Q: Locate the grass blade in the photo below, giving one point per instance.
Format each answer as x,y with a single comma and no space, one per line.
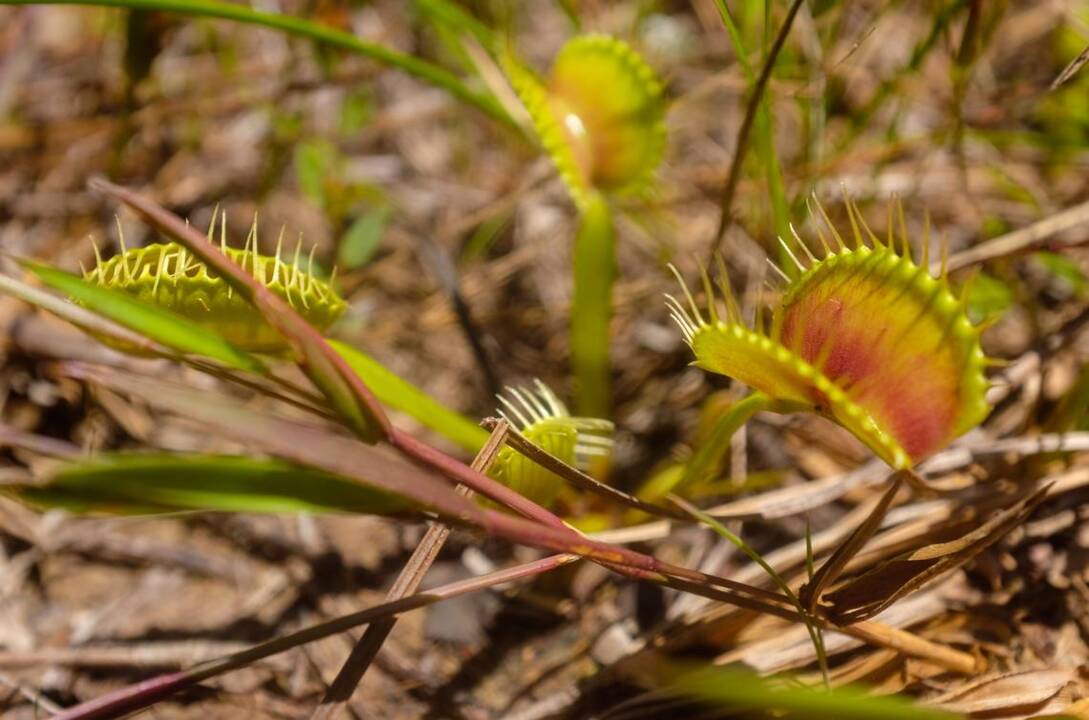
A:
756,97
765,137
289,440
731,687
78,316
402,395
451,15
124,483
810,624
707,460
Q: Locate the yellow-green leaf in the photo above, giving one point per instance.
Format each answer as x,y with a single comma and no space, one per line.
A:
161,482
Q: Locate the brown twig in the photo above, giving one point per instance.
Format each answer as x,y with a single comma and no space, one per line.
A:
729,189
882,635
364,652
141,695
828,572
1070,70
436,259
1018,241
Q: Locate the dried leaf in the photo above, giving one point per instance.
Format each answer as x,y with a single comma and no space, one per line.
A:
875,590
289,440
1021,691
1070,70
834,565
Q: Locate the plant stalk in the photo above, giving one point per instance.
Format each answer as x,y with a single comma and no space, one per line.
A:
591,308
146,693
729,189
364,652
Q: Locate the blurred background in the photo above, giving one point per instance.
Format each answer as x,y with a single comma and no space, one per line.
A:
449,229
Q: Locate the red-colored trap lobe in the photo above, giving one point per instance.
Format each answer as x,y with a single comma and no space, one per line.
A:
882,339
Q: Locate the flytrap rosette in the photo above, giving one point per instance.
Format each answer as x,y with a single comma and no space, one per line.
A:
599,116
543,419
171,277
863,335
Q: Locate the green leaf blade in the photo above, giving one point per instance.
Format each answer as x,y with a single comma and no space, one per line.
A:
736,688
398,393
155,323
130,483
362,238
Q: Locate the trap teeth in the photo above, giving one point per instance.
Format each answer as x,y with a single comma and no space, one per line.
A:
862,334
168,276
539,415
599,115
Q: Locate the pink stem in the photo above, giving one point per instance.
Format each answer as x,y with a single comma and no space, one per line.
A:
148,692
473,479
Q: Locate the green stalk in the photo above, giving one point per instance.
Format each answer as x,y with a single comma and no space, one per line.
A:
708,458
810,624
595,270
421,69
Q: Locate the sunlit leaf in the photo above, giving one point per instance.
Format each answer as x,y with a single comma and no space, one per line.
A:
160,325
987,297
314,161
736,688
1065,270
402,395
160,482
356,111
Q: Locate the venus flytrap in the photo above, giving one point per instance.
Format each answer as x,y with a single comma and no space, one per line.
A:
409,469
169,276
599,115
863,335
176,290
543,419
600,118
170,279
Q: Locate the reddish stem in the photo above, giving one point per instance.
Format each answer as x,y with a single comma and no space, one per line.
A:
144,694
619,559
473,479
